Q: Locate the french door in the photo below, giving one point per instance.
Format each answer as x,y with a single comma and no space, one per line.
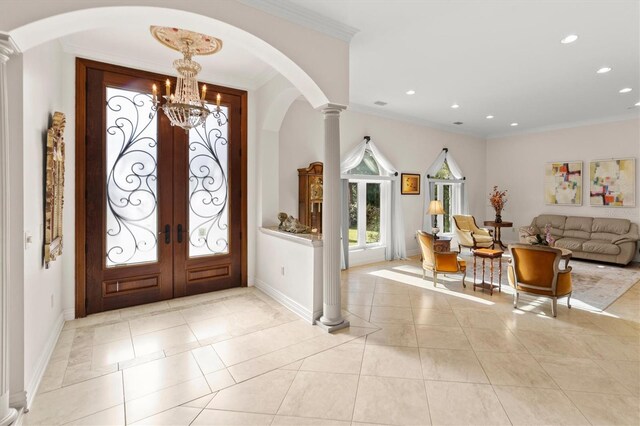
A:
160,212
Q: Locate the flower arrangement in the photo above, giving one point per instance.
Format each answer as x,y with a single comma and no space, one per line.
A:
498,199
544,239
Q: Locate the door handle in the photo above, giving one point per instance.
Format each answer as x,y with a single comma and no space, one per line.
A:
180,233
167,234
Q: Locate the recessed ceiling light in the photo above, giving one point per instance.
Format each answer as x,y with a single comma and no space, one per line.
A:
514,124
489,117
458,122
604,70
625,90
569,39
380,103
411,92
455,106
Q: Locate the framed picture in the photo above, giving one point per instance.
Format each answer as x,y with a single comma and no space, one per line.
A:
563,183
612,182
410,184
54,189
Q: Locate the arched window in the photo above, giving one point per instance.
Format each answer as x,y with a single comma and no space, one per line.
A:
446,183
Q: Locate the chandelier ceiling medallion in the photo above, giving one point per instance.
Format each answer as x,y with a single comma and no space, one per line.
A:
186,107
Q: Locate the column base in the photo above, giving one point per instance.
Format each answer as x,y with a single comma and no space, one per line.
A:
332,328
11,417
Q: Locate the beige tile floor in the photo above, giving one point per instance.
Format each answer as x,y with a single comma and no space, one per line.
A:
414,354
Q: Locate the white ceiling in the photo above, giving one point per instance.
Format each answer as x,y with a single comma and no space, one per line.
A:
135,47
502,58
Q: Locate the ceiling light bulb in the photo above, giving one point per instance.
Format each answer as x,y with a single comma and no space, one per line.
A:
411,92
569,39
514,124
489,117
455,106
604,70
625,90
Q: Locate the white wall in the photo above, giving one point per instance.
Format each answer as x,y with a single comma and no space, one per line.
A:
410,147
43,88
517,163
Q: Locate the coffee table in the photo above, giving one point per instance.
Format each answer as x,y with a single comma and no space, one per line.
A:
490,254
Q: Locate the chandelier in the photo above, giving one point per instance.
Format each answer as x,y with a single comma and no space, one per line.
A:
186,107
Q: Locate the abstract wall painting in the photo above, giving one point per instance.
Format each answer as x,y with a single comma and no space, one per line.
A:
613,182
563,183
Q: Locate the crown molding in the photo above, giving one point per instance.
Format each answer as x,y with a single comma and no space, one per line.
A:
381,112
304,17
569,125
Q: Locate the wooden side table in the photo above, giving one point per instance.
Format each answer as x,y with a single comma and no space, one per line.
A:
497,226
442,244
487,254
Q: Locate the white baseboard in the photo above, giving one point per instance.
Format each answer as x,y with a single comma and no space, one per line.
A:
69,314
18,400
413,252
41,366
288,302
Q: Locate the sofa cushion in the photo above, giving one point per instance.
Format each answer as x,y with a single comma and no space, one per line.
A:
578,227
573,244
605,236
611,226
600,246
556,222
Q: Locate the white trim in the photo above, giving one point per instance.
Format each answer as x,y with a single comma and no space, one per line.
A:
69,314
309,240
43,361
304,17
288,302
612,119
382,112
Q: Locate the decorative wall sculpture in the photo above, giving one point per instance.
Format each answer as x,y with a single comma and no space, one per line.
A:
563,183
613,182
54,191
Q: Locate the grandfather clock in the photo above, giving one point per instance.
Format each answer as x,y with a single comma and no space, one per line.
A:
310,196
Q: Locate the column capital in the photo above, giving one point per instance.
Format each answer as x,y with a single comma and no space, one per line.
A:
7,47
330,109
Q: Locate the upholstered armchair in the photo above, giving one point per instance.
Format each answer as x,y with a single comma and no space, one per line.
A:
536,270
469,235
439,262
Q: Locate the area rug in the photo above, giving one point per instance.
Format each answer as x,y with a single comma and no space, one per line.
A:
595,286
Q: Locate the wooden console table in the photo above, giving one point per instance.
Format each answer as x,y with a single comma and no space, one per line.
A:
497,226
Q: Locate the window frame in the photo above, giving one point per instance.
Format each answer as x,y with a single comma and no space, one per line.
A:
455,193
362,182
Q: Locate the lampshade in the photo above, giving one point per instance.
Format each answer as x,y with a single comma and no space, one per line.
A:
435,207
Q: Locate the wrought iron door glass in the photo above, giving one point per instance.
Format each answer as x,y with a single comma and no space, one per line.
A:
208,186
132,174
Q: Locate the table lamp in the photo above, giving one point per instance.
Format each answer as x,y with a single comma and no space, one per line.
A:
435,208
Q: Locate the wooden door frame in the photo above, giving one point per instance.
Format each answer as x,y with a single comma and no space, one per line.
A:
80,177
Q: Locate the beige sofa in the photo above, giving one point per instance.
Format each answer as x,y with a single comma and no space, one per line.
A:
594,238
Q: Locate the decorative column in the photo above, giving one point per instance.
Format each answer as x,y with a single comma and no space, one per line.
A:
331,319
7,415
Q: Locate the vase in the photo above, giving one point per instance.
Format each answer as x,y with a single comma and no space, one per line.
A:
498,217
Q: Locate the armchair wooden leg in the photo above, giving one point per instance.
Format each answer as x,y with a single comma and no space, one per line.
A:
435,278
554,306
569,301
516,296
464,275
423,273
